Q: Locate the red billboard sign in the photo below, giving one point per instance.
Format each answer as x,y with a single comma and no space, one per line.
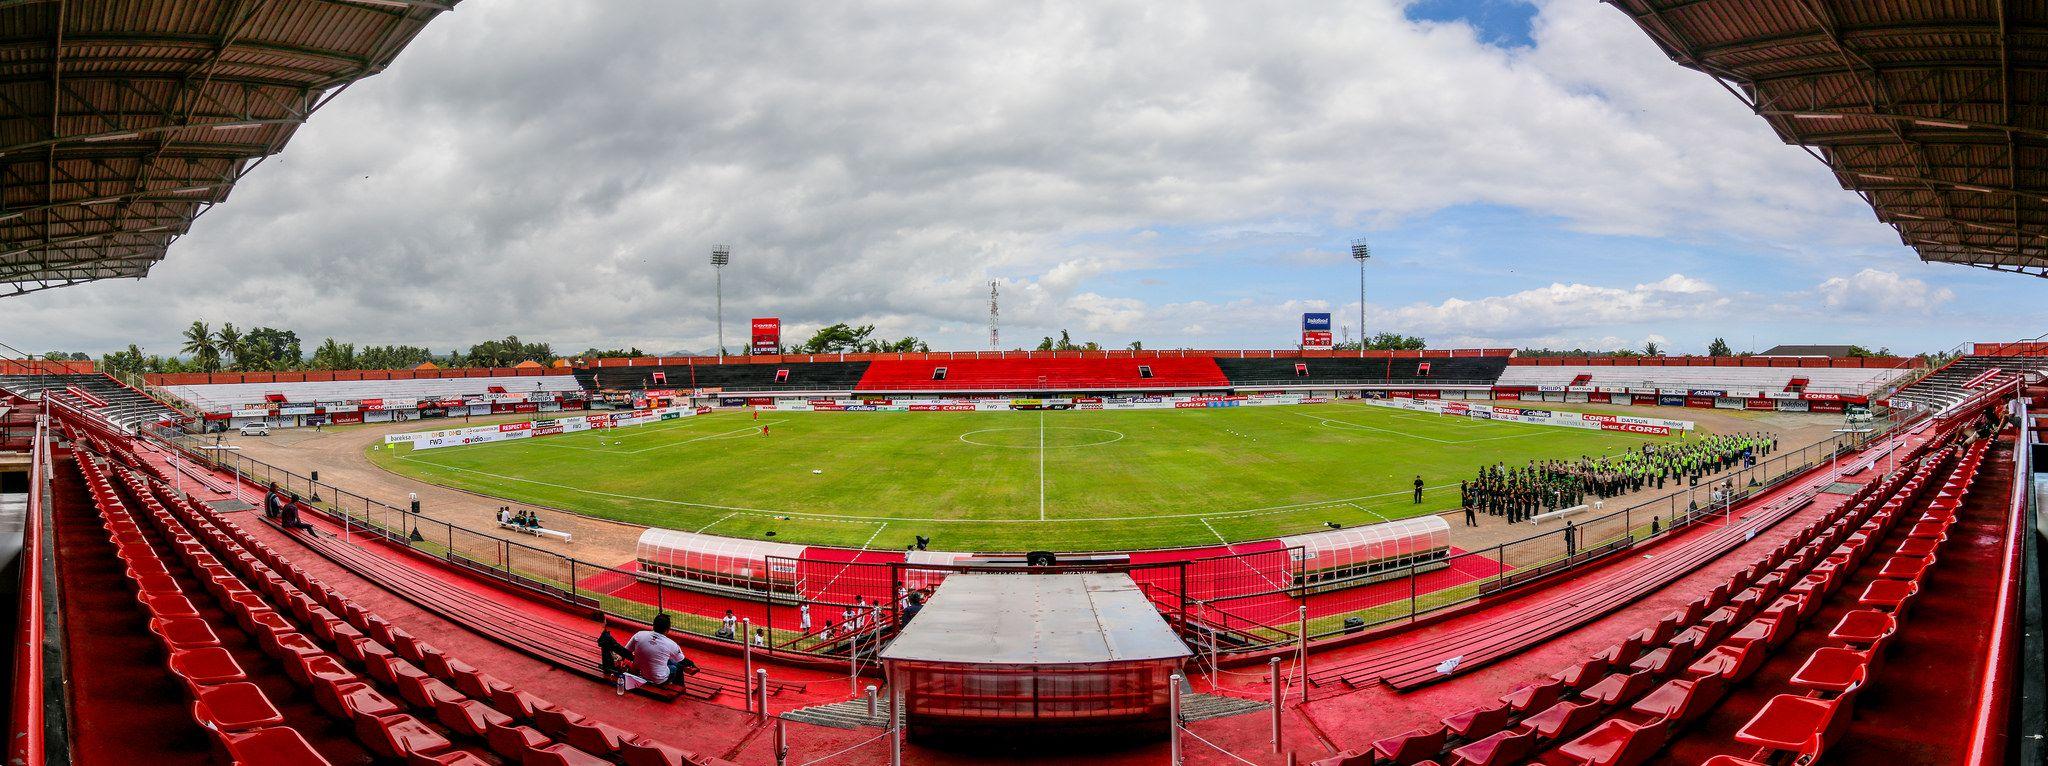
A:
1319,340
767,335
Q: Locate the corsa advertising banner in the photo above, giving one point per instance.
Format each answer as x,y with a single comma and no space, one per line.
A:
1315,332
767,335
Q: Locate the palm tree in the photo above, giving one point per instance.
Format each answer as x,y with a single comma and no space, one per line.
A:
199,343
230,341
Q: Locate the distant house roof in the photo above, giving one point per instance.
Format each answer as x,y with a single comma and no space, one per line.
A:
427,366
527,365
1827,351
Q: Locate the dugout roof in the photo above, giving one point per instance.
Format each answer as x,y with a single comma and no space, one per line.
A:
1932,110
1037,619
123,120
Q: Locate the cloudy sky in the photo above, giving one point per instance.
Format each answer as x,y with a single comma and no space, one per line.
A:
1183,174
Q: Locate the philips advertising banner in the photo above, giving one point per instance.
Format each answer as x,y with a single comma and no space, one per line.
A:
1315,332
767,335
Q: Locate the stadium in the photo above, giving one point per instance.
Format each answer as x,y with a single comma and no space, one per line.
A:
1315,551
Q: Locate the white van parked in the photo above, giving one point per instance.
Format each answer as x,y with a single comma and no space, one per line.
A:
256,429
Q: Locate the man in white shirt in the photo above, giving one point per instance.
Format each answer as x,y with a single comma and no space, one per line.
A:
656,657
803,618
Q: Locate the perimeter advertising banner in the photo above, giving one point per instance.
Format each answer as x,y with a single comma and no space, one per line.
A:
1315,332
767,335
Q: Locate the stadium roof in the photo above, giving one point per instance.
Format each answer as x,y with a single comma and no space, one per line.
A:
123,120
1935,111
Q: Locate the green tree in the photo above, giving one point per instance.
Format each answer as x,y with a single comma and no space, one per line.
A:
199,343
230,340
1389,341
1136,345
268,348
334,356
1719,347
1650,348
840,338
127,362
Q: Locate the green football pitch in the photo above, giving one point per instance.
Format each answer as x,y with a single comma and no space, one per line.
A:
1077,480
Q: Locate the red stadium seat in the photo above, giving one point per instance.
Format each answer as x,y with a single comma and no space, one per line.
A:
1618,687
1682,700
205,666
232,707
1805,725
468,717
646,752
1501,749
592,736
272,746
1617,742
399,736
1534,696
561,755
1833,669
1863,627
1563,719
513,742
1413,746
1479,722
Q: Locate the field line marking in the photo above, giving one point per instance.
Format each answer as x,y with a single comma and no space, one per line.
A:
1326,421
1041,466
716,522
764,423
1212,530
843,566
1382,517
880,519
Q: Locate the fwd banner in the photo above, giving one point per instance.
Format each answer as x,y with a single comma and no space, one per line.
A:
459,437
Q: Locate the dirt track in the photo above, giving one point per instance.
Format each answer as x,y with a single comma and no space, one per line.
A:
339,455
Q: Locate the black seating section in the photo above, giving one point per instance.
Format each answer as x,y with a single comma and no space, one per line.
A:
1944,387
126,407
399,697
748,378
1282,371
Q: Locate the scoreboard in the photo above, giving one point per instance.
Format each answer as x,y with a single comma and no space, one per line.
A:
767,336
1315,332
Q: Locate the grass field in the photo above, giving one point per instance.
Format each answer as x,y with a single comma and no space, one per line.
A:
1005,480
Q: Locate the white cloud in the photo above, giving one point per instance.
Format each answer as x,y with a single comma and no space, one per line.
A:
562,175
1560,306
1871,291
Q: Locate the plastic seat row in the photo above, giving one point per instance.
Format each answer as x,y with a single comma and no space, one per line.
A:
1632,694
1802,726
240,716
468,702
378,722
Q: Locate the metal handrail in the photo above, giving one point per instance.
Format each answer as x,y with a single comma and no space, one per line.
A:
26,740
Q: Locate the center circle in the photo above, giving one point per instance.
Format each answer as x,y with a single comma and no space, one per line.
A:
1029,437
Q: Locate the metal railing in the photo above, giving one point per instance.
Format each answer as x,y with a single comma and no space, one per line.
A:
26,738
1400,594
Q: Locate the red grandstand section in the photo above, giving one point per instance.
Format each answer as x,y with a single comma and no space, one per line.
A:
1044,374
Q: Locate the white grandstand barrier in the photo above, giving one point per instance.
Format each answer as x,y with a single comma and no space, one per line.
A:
1542,417
1855,381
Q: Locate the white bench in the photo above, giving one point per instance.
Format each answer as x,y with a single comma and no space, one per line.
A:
1559,513
535,531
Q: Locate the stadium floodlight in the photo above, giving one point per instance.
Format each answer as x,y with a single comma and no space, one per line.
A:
1361,252
720,256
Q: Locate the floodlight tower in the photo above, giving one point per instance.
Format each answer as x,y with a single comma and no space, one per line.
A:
993,337
722,255
1361,252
